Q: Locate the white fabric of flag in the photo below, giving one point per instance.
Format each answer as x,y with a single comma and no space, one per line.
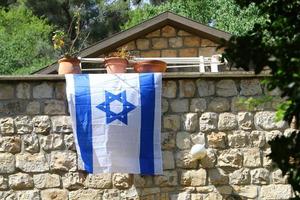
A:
116,121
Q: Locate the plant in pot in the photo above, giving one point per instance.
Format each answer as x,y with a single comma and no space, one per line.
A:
68,45
117,61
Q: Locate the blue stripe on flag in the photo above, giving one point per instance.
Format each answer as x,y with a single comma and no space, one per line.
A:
84,119
147,93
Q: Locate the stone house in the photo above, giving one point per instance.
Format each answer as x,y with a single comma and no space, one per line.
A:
166,35
38,159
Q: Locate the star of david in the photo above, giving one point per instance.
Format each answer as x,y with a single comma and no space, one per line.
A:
110,115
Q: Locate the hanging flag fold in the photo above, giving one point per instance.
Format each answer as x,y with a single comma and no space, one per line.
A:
116,121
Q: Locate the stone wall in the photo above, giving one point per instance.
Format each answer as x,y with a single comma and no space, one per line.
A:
38,159
171,42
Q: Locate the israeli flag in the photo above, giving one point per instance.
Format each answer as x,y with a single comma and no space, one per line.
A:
117,121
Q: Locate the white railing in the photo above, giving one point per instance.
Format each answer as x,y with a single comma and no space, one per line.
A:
172,62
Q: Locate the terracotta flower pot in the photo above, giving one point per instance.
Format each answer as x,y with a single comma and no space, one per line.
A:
69,66
150,66
115,65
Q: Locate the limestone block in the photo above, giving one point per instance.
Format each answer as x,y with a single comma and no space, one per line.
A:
155,33
42,181
54,107
73,180
7,163
168,140
209,43
168,53
32,162
3,183
237,105
169,178
61,124
43,91
69,142
7,126
168,160
9,195
164,106
257,138
183,160
181,196
247,192
194,177
23,124
276,192
267,162
28,194
64,161
51,142
60,90
23,91
217,140
121,180
209,161
7,91
238,139
169,89
112,194
183,140
208,122
175,42
250,87
266,121
31,143
142,181
171,122
227,121
277,177
226,88
198,138
89,194
179,105
168,31
252,157
33,108
183,33
245,120
10,144
41,124
230,158
218,176
54,194
159,43
151,190
240,177
260,176
198,105
192,41
20,181
142,44
205,88
187,88
101,181
151,53
219,104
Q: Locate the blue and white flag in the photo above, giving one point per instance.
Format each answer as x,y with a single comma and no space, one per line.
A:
117,121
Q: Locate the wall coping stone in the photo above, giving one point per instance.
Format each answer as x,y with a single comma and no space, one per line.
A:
171,75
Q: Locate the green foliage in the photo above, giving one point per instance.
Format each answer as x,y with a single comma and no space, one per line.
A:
99,18
276,44
222,14
24,41
286,154
251,103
